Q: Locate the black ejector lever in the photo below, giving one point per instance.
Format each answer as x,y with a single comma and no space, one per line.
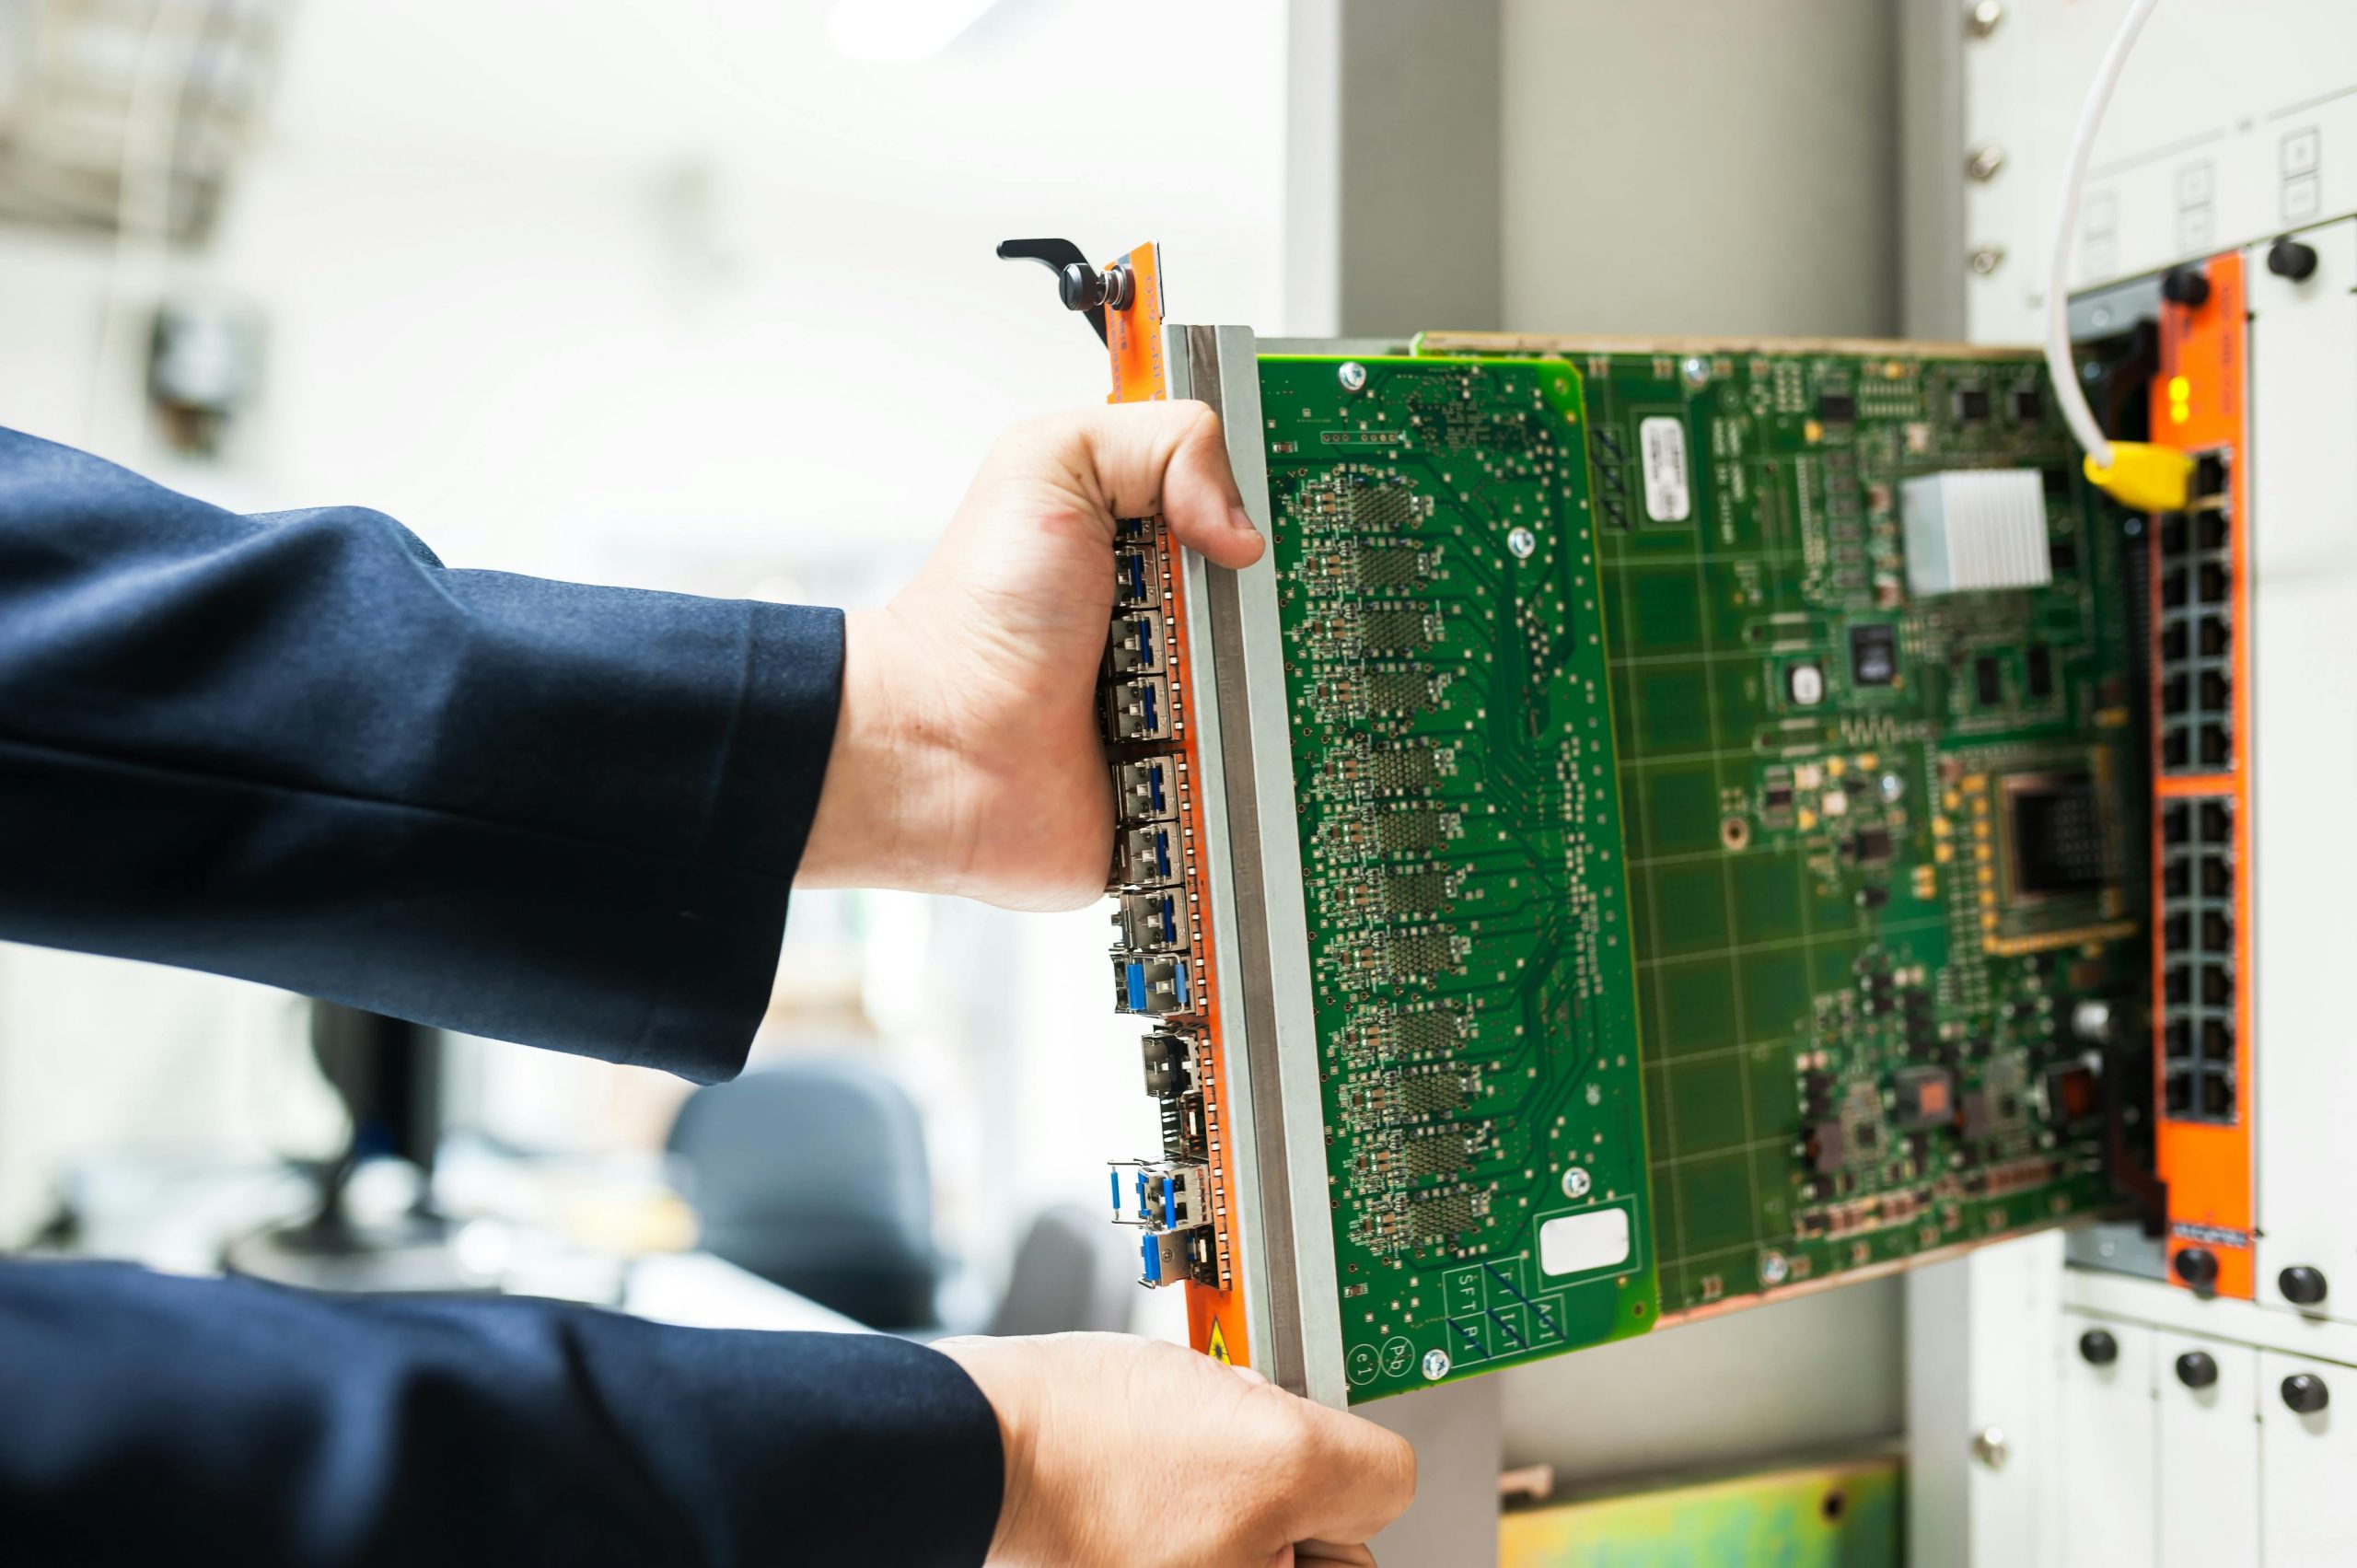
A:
1081,286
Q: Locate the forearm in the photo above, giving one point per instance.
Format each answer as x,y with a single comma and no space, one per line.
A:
152,1418
297,750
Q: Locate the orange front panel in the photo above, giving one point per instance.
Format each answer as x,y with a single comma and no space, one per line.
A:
2203,798
1134,343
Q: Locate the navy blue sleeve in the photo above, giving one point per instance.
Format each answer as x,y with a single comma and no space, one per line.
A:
298,749
151,1418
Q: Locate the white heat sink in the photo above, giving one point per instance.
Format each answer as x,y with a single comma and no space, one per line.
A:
1972,530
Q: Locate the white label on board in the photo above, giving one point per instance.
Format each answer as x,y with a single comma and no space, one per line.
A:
1668,498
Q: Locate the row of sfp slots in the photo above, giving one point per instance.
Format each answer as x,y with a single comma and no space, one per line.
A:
2198,979
2197,626
1154,973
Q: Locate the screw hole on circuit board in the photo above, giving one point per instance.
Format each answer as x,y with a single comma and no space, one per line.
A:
1735,832
1834,1505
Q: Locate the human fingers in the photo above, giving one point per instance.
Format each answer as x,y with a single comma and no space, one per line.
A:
1352,1478
1144,459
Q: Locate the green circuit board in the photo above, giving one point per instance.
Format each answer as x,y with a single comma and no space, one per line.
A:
1867,850
1461,838
1859,944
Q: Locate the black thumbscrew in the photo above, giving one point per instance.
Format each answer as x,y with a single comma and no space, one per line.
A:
2305,1393
1080,286
2198,1266
2186,285
2196,1369
2301,1285
2287,258
2098,1348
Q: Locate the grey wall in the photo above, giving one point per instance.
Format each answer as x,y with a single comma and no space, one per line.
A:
1699,166
1392,181
1822,1372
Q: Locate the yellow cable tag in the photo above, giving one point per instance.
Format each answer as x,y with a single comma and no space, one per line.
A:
2144,478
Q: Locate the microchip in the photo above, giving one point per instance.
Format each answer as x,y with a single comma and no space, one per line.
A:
1383,564
1870,845
1415,892
1443,1216
2029,405
1836,408
2055,844
1429,1094
1400,831
1926,1096
1416,1032
1972,404
1874,653
1409,958
1436,1154
1828,1148
1393,768
1987,1113
1988,683
2041,670
2072,1094
1397,691
1392,630
1383,504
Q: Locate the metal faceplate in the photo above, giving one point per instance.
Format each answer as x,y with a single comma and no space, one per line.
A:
1277,1125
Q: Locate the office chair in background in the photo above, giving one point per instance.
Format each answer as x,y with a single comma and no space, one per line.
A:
811,1172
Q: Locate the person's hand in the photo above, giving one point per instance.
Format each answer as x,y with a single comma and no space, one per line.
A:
1138,1454
967,758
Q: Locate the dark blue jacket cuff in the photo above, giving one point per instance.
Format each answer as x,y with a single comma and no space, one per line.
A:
152,1418
299,749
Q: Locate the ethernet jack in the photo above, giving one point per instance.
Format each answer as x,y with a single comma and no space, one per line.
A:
1137,576
1139,710
1152,986
1147,857
1169,1195
1170,1065
1146,790
1138,646
1153,921
1164,1256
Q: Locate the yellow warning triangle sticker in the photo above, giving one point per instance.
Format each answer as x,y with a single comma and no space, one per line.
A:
1217,1349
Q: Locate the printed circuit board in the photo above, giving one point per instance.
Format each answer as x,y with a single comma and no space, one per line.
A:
1871,860
1460,835
1665,828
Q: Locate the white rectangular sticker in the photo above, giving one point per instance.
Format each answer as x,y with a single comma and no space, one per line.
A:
1668,498
1573,1243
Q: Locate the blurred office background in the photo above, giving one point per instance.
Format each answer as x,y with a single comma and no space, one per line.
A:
699,294
688,296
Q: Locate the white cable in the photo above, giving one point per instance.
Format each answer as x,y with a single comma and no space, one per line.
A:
2076,412
155,103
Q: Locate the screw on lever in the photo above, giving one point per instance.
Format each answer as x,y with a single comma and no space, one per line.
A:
1081,286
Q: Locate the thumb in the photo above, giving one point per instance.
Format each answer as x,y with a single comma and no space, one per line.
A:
1359,1478
1167,458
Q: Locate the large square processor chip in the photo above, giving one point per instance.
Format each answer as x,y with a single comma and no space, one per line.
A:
2054,836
